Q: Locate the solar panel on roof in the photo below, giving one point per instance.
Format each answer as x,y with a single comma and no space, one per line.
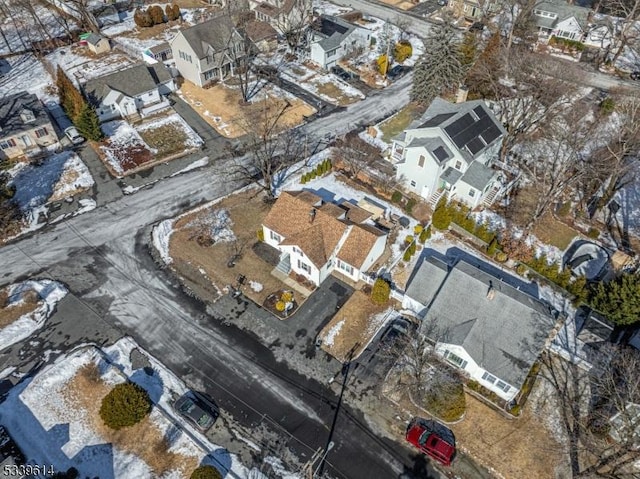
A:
490,134
440,154
480,111
475,145
436,120
457,128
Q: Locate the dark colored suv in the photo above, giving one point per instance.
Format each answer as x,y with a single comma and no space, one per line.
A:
432,439
198,410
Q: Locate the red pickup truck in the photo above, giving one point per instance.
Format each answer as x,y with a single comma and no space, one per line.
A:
432,439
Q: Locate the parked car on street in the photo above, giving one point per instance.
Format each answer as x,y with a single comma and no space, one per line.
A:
197,409
397,72
433,439
74,135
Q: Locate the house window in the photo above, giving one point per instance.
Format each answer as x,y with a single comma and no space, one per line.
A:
455,359
296,250
345,267
458,165
565,34
413,183
472,192
504,386
421,161
332,53
398,150
275,236
40,132
304,266
7,143
208,75
489,378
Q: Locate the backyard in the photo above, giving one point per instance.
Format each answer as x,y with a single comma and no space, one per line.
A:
396,124
222,107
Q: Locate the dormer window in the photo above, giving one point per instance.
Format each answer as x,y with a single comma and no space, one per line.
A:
27,116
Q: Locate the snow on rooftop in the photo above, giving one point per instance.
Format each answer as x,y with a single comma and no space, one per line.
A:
80,67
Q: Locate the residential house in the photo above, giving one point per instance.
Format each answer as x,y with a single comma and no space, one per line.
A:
131,93
98,44
316,238
283,15
450,151
557,18
472,10
158,53
207,51
262,35
333,38
25,126
479,323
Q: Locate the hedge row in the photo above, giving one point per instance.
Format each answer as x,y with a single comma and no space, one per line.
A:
447,213
319,170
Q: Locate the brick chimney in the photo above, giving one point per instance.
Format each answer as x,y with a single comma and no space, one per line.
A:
461,94
491,293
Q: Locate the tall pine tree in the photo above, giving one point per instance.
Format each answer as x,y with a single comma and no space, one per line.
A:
71,99
439,69
88,124
619,300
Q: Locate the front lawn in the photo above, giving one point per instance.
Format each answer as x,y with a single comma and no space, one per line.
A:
550,230
400,121
169,135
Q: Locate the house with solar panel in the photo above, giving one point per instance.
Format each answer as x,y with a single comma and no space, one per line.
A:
450,152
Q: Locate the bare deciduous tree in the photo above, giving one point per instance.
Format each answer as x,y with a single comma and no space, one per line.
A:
78,10
587,401
355,154
626,31
294,22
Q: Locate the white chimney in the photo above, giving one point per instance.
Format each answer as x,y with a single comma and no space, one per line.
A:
461,94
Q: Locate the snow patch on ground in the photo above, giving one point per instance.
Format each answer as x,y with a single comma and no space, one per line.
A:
333,332
39,409
217,224
278,468
193,166
49,293
256,286
161,236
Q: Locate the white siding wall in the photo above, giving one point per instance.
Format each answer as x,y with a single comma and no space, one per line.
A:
462,194
269,240
474,370
413,305
426,176
570,25
314,275
147,98
376,251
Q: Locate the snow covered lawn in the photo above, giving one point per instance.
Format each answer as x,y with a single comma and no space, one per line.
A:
325,85
169,135
81,65
24,307
356,323
54,418
124,149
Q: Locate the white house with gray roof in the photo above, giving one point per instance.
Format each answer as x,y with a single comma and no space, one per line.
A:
480,323
130,93
333,38
450,151
206,52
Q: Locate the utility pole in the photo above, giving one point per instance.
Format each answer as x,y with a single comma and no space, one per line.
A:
345,372
388,37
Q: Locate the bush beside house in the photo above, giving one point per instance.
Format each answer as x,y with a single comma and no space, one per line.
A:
125,405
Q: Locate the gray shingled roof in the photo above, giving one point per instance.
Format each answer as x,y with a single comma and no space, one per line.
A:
564,11
11,106
93,39
478,175
215,33
431,144
335,30
442,114
451,175
130,81
426,280
504,334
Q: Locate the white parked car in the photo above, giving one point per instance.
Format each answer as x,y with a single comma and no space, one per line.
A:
73,134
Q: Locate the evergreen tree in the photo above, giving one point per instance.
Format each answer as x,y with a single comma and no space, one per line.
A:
71,99
88,124
156,14
468,50
439,69
619,300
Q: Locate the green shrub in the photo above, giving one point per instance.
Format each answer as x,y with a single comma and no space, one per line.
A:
303,178
407,255
593,233
441,218
327,165
381,291
483,232
447,403
206,472
260,235
521,269
425,234
493,247
501,257
125,405
515,410
396,197
417,229
410,204
408,240
564,209
578,288
280,306
607,106
312,175
286,296
412,248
